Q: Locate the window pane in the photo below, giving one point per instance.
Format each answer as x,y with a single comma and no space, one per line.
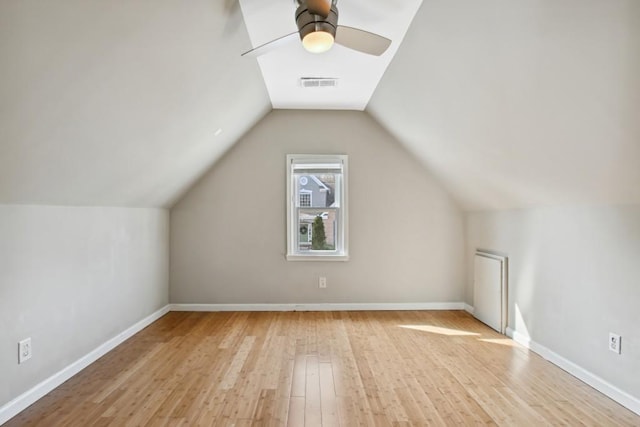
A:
317,229
317,190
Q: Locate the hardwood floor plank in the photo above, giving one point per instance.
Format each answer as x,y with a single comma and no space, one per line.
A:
296,411
328,403
238,361
299,381
312,412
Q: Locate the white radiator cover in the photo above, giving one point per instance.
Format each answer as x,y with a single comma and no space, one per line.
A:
490,289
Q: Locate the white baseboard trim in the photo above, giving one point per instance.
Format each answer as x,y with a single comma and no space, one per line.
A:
321,307
20,403
625,399
469,309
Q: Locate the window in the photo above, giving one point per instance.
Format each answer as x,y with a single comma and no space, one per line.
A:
305,199
316,207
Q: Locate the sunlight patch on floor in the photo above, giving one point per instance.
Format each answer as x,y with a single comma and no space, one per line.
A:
439,330
502,341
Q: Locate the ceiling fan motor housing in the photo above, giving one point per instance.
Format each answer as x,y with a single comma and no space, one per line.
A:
309,22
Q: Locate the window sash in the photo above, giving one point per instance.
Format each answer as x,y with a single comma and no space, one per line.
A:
336,231
295,179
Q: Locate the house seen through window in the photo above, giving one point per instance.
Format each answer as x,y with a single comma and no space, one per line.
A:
317,207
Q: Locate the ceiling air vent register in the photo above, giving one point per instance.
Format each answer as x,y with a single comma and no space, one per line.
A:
318,82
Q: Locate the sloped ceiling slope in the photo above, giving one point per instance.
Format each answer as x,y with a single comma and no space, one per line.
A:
118,102
516,104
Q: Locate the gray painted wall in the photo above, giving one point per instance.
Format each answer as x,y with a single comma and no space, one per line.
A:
574,277
71,278
228,236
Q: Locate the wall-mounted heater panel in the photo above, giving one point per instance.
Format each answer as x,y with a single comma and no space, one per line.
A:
490,280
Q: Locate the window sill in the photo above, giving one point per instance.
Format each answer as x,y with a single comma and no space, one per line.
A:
297,257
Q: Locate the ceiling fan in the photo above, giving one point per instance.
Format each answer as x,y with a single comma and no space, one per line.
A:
318,28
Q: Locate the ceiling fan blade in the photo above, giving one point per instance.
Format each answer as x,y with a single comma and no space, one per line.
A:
319,7
272,45
361,40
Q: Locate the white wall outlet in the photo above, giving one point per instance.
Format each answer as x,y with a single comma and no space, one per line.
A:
24,350
322,282
614,342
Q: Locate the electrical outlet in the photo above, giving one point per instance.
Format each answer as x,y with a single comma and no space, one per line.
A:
322,282
24,350
614,342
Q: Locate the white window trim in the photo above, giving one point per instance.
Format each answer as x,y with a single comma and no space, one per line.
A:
292,255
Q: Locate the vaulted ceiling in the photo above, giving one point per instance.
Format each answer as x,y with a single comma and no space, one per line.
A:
510,104
119,102
517,104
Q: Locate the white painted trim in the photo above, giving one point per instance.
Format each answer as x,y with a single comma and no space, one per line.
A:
321,306
318,257
468,308
17,405
625,399
521,339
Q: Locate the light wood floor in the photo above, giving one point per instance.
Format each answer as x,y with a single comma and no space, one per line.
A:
326,368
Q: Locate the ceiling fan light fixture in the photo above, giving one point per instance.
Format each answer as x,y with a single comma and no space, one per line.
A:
318,41
317,32
317,22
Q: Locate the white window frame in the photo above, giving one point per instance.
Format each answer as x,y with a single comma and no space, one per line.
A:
341,253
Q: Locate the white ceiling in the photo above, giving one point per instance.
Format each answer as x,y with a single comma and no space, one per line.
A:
358,74
510,104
